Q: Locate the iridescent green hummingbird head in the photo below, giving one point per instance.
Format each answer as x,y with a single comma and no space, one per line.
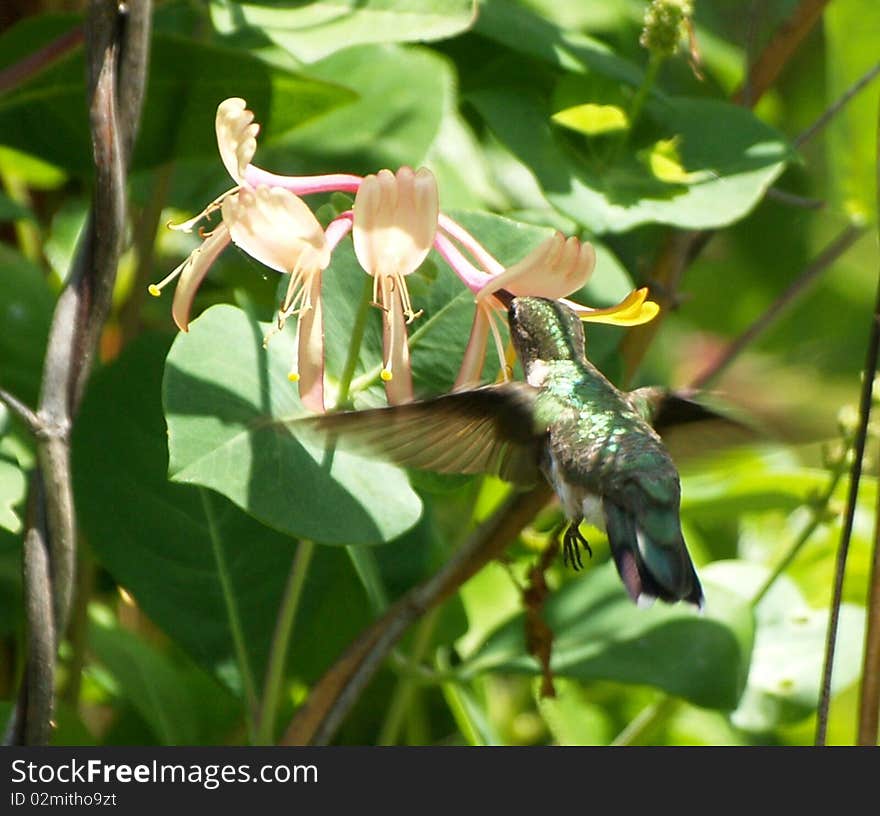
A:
544,329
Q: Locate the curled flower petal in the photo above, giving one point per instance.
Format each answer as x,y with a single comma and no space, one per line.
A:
633,310
396,372
395,219
192,272
310,349
275,227
475,352
555,268
236,136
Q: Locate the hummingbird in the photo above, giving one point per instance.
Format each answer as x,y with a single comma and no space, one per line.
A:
597,446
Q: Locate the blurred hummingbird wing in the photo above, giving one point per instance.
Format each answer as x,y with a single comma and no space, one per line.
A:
690,427
484,430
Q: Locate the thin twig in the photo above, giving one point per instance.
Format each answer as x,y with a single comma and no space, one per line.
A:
792,200
815,268
19,72
869,698
22,411
337,690
849,517
836,107
869,694
764,72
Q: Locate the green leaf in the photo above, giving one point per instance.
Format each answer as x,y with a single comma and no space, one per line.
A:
11,210
229,407
160,540
736,156
47,116
786,669
313,30
13,486
852,30
390,123
25,310
600,634
524,31
592,119
147,680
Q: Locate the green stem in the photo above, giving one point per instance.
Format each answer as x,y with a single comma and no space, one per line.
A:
407,683
361,556
646,721
367,569
284,626
635,110
247,678
354,349
810,527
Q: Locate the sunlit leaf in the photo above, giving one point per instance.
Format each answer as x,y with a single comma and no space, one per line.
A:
600,634
313,30
592,119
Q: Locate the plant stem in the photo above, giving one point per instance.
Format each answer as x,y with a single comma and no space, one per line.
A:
861,436
232,613
869,694
354,348
361,556
284,627
646,721
655,60
809,528
407,683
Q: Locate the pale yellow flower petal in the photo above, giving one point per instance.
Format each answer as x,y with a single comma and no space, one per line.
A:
236,136
192,272
277,228
555,268
395,219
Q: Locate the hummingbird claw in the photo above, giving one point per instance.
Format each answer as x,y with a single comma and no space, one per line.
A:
572,542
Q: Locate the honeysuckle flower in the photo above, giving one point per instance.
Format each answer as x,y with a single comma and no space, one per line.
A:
557,267
395,221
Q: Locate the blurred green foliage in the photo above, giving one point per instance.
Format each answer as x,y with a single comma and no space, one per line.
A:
193,495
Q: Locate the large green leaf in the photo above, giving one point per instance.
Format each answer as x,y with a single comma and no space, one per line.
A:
179,708
162,540
390,123
734,158
600,634
524,31
229,407
47,116
852,30
313,30
786,669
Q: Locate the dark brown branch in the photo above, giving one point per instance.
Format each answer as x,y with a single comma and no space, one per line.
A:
116,57
334,694
827,257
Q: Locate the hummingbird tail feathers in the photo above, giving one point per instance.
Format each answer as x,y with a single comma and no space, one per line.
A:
651,565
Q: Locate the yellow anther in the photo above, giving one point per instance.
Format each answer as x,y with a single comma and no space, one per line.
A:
385,375
154,290
293,376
